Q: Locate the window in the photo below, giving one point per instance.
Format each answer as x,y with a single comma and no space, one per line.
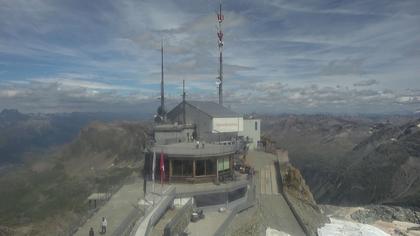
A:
256,125
181,168
210,167
223,164
187,170
177,168
200,167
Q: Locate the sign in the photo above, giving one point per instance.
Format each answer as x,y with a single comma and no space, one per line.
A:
226,125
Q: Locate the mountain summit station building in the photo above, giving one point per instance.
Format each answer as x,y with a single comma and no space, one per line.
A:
199,140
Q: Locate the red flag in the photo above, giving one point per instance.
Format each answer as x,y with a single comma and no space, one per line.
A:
162,168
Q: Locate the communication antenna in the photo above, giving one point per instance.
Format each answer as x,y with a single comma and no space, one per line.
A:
161,116
219,82
184,120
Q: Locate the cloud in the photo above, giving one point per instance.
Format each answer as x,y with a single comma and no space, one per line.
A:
278,55
343,67
366,83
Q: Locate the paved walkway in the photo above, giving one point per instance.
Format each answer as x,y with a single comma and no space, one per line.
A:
275,211
115,210
268,180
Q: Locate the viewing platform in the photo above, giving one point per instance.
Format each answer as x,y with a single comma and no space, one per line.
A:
190,150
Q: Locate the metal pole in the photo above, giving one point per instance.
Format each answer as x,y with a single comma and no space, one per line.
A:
153,176
183,102
162,87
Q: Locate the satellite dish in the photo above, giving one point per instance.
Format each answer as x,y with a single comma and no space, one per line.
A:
218,82
158,119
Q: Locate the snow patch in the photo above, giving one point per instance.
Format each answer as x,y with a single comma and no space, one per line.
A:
348,228
274,232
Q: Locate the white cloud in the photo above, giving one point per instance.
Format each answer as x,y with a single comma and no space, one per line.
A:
368,82
275,51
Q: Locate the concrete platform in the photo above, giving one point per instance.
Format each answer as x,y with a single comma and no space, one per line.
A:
208,226
115,210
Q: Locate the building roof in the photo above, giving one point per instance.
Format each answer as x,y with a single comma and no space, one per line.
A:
190,151
213,109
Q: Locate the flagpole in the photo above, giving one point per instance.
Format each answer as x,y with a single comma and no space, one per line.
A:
153,176
162,171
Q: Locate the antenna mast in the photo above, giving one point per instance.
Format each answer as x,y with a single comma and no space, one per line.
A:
184,120
220,19
162,89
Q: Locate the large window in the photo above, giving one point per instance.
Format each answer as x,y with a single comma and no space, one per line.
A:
200,167
224,164
205,167
210,167
256,125
181,168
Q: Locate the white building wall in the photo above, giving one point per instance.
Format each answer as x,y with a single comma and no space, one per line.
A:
252,130
224,125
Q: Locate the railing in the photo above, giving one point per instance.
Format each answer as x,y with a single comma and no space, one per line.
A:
160,211
181,217
125,228
190,149
250,202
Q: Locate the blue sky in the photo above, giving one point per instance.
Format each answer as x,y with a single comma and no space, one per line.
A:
360,56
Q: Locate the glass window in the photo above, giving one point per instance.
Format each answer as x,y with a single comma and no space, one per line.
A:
176,168
181,168
200,168
256,125
187,170
224,164
210,167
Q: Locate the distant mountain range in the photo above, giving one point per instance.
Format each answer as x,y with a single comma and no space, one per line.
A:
23,135
353,160
46,194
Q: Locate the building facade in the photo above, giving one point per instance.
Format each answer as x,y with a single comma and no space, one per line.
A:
213,122
251,132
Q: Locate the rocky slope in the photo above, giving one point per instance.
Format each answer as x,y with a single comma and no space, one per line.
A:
300,196
383,168
316,143
353,160
47,195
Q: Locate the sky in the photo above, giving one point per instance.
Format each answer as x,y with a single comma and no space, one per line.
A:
318,56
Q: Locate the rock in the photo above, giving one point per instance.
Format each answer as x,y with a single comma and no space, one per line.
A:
386,213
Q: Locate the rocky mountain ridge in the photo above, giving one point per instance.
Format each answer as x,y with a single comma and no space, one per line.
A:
353,160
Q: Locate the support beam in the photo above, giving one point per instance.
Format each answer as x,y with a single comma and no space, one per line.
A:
170,169
193,168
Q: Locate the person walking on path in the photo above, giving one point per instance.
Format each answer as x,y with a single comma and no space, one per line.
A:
104,224
91,232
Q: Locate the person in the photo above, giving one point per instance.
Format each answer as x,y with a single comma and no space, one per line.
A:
91,232
103,225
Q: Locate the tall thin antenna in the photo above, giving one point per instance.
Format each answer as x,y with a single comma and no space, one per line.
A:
162,89
220,19
183,102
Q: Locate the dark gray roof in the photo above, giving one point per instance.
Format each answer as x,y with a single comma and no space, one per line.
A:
213,109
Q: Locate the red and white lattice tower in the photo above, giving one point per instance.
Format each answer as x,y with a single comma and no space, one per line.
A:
220,19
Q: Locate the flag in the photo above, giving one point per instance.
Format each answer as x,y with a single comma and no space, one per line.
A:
162,168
